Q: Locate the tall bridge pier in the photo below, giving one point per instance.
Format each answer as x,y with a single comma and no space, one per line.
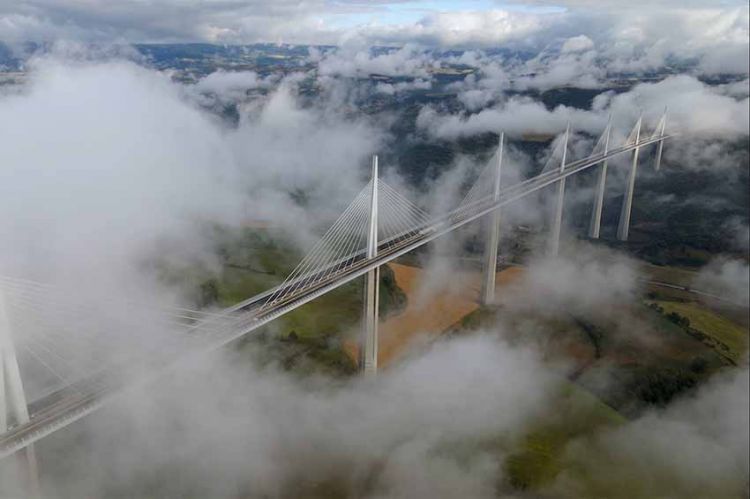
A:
13,406
554,240
493,234
623,227
596,213
627,202
369,344
661,128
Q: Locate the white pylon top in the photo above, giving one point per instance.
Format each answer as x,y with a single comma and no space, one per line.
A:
660,126
499,170
635,133
565,147
372,234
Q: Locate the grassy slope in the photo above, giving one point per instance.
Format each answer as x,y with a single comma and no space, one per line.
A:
729,339
539,457
647,370
670,274
686,277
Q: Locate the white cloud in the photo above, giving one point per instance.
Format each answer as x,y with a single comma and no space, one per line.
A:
515,116
403,86
478,89
629,38
694,108
99,158
353,61
267,432
222,82
577,44
727,278
587,281
581,69
466,28
696,447
102,160
718,38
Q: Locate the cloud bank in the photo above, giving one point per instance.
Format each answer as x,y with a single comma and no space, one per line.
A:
696,447
627,39
231,429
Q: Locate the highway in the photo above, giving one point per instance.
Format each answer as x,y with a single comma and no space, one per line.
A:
698,292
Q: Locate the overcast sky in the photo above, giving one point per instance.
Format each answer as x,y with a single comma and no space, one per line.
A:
429,22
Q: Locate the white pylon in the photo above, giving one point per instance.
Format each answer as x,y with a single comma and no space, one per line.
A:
596,213
13,406
369,343
627,201
493,234
660,147
554,241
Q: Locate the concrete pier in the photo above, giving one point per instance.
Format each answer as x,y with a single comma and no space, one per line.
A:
369,344
627,201
13,405
596,213
493,235
554,240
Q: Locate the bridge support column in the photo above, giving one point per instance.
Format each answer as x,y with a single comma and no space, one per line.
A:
627,201
554,241
13,405
493,235
368,350
660,145
596,213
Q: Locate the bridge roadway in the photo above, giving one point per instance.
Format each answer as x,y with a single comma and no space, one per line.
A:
85,396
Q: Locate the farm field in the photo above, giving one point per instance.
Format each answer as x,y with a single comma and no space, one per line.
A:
730,339
431,308
540,455
669,274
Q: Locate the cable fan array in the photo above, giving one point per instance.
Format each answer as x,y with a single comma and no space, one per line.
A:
343,246
554,160
65,341
480,192
61,339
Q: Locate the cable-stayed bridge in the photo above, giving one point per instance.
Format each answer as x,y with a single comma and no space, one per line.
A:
85,367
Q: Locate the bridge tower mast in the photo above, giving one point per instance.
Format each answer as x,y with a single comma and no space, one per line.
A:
596,213
493,235
13,405
660,147
369,343
554,242
627,201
